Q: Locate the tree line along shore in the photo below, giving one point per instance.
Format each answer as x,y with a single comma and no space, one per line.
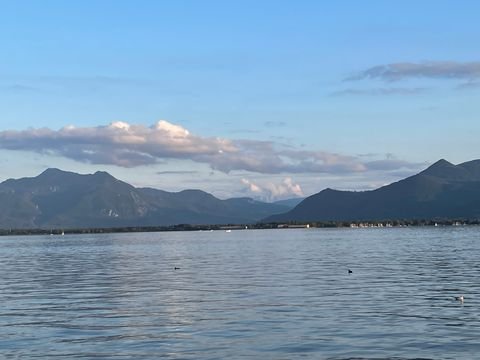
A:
286,225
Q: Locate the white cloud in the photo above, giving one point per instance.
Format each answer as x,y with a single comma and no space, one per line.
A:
171,130
270,191
127,145
252,187
119,143
286,188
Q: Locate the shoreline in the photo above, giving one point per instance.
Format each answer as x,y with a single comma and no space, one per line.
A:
59,231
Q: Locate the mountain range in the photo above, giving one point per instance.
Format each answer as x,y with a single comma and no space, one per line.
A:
442,191
60,199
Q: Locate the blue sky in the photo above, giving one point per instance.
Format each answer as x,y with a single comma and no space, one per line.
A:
269,99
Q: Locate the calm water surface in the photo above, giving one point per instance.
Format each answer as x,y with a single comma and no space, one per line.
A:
266,294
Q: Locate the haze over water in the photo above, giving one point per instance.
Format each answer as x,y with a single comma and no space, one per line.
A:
260,294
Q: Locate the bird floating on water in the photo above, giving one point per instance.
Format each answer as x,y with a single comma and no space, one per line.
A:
176,268
459,298
350,271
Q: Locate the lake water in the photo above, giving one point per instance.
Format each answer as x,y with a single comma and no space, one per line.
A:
248,294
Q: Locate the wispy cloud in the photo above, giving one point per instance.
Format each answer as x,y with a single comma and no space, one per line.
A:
431,69
470,85
126,145
379,92
19,88
98,80
185,172
392,164
244,131
42,84
274,123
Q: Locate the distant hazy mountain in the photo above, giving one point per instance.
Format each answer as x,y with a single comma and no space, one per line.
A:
443,190
291,203
57,198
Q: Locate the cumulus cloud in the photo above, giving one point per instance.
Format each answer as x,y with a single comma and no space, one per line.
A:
119,143
127,145
254,188
270,191
431,69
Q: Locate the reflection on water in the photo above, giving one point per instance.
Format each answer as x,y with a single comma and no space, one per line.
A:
267,294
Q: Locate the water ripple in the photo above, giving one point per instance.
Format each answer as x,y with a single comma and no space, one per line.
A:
278,294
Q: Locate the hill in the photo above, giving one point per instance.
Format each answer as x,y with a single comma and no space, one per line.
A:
60,199
443,190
